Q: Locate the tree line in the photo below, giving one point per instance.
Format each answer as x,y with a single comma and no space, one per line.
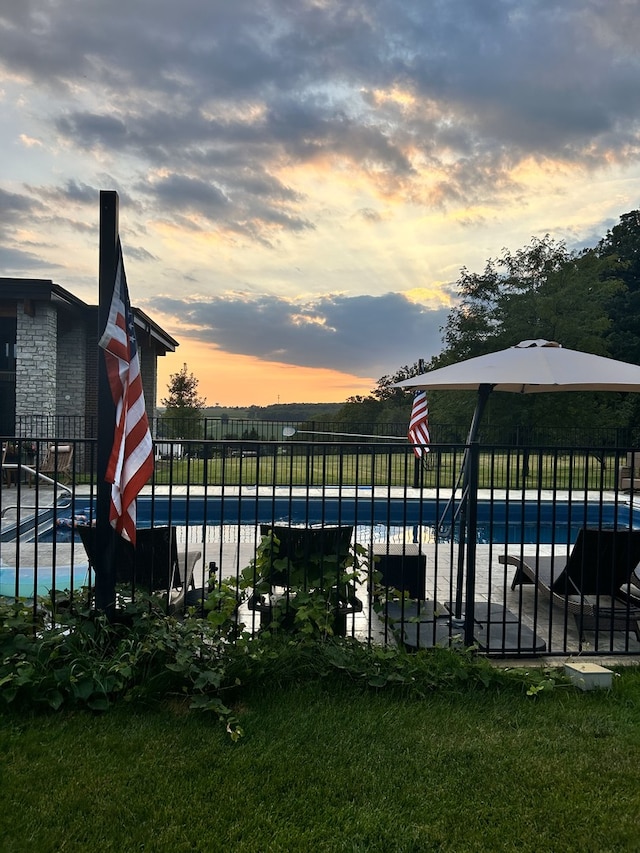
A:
585,300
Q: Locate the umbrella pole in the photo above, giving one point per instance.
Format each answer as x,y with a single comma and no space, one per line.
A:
483,396
469,496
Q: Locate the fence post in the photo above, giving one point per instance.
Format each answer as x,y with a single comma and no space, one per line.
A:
417,465
472,536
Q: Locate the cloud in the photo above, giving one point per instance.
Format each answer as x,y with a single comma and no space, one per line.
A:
433,102
182,191
363,335
17,256
290,149
14,204
16,262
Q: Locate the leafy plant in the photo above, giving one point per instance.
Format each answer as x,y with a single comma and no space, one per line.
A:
315,569
82,660
221,606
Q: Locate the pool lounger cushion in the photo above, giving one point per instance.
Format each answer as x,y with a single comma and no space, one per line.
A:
593,582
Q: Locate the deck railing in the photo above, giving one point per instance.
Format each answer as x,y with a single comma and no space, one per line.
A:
472,572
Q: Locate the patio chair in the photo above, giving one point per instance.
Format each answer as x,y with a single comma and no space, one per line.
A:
593,583
153,566
629,474
57,461
10,463
304,558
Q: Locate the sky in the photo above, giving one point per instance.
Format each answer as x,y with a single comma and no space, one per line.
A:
301,181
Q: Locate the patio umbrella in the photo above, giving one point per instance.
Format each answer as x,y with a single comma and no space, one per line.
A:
530,367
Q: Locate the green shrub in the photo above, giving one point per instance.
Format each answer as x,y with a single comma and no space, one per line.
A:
81,660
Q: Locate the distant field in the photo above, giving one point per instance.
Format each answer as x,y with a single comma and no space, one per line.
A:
309,467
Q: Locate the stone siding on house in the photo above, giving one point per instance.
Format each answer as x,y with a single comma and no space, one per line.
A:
71,373
149,376
53,389
36,360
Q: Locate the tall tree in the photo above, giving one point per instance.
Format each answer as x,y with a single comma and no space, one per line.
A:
587,300
385,404
184,408
502,305
622,247
541,291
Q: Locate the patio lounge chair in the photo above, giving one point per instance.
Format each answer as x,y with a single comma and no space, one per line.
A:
153,566
304,558
57,461
593,582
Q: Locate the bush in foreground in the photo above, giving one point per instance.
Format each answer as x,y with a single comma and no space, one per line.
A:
81,660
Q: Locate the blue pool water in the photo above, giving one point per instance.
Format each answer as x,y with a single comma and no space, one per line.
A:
413,520
498,522
45,580
528,522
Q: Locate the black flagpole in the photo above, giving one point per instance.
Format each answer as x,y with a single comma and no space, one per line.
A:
105,535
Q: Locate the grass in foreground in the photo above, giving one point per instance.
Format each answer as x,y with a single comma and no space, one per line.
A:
329,765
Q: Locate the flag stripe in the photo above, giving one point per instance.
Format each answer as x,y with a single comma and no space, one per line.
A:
419,424
131,461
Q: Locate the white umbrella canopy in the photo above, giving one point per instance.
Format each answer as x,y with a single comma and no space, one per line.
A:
532,367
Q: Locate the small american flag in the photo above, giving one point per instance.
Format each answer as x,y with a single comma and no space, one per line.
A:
131,461
419,424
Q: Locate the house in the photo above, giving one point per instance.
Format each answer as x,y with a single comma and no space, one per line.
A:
49,359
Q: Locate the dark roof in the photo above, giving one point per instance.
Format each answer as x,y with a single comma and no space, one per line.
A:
154,330
38,289
45,290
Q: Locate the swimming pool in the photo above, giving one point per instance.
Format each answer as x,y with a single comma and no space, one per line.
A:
497,521
235,519
44,579
366,509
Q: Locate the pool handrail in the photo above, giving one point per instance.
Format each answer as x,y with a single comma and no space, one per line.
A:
18,466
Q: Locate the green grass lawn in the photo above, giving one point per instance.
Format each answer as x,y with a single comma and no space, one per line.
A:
497,470
327,765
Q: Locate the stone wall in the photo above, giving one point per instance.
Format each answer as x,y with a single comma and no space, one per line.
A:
91,390
149,376
57,370
71,373
36,360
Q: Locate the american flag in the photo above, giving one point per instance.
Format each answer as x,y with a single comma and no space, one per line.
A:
131,461
419,424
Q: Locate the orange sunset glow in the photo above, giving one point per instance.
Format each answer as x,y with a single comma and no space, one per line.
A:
236,380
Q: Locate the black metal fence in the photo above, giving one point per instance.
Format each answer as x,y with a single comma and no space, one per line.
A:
325,432
540,561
